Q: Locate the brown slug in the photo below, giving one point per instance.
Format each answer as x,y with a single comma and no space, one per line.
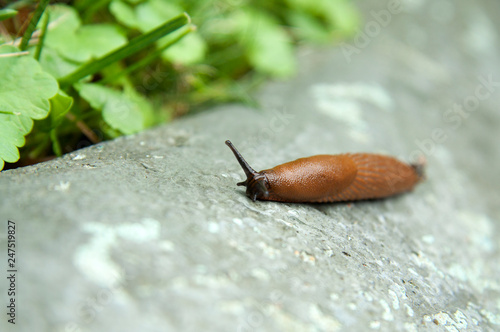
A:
330,178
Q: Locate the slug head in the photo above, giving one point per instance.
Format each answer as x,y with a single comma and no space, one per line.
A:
256,182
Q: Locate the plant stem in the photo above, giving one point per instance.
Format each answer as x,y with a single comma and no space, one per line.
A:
56,145
33,23
89,133
39,45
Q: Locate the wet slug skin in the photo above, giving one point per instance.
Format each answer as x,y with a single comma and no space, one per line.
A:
330,178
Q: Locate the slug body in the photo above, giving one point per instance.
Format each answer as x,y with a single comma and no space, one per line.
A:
330,178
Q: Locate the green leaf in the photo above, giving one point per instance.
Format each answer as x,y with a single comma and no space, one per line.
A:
24,87
81,43
60,105
10,139
144,105
150,14
96,40
188,50
132,47
68,44
309,28
25,90
340,14
153,13
56,65
6,14
134,2
268,46
119,110
150,57
124,13
64,21
145,16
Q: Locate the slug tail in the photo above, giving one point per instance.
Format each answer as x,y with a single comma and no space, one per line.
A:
419,167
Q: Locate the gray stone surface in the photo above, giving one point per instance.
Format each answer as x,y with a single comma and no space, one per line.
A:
150,232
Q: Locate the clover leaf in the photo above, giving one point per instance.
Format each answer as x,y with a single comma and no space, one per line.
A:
268,47
127,113
150,14
80,43
25,90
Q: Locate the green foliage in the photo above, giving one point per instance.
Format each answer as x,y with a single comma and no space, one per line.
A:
268,47
126,113
33,23
7,13
25,91
80,43
71,51
130,48
99,69
147,15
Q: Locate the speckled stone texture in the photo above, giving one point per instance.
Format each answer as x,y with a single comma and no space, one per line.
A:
150,232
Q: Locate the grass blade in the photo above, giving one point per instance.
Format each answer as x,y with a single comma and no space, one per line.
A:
149,58
32,25
41,39
132,47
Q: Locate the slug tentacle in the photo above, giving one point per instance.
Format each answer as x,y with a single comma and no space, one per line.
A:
256,183
249,171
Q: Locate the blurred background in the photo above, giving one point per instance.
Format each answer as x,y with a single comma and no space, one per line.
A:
219,52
